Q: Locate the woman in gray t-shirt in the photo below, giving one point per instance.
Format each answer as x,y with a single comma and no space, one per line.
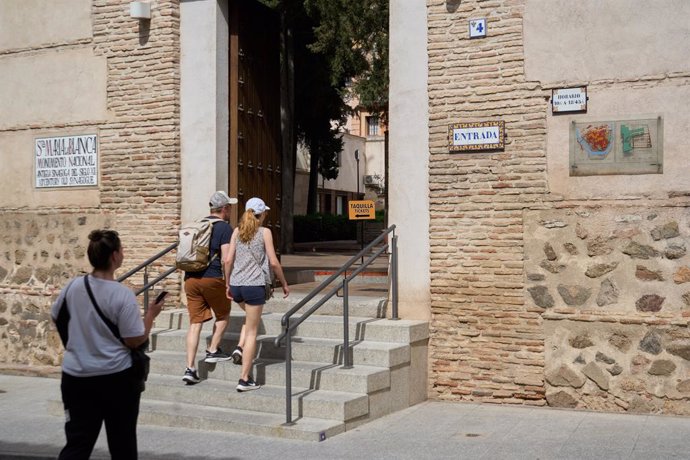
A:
250,261
97,377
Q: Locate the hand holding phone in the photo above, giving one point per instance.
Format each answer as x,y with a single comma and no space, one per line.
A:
161,296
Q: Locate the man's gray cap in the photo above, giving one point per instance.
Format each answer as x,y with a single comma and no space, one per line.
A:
220,199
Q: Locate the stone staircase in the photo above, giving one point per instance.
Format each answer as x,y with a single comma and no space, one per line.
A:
389,373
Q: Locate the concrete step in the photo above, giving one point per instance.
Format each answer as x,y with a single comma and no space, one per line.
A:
322,350
193,416
370,306
298,275
317,326
332,377
331,405
367,277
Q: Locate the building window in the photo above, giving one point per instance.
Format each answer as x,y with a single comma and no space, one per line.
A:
340,205
372,126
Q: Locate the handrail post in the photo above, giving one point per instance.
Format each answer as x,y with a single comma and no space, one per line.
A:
288,375
146,292
394,276
347,358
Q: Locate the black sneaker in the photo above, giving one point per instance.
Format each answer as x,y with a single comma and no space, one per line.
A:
217,356
247,385
237,355
191,377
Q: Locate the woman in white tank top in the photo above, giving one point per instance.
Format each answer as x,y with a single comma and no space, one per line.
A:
250,261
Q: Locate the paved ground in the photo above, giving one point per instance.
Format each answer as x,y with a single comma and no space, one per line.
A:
433,430
327,260
430,430
372,282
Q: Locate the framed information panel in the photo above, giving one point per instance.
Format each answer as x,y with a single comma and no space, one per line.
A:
625,146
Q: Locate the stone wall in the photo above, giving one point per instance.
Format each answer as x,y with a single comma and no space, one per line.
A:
40,253
547,289
613,286
139,186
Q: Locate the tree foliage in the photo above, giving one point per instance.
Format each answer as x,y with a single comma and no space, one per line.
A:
353,35
333,42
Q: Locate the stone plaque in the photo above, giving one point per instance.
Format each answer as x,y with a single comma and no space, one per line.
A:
66,161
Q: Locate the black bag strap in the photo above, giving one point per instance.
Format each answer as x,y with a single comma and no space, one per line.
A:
113,328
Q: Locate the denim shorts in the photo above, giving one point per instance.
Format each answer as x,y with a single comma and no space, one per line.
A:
251,295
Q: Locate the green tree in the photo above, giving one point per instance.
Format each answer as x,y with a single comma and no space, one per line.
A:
326,43
314,107
353,36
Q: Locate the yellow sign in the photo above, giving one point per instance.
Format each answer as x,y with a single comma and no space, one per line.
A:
361,210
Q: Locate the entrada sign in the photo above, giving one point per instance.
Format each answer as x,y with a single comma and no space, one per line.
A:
361,210
476,136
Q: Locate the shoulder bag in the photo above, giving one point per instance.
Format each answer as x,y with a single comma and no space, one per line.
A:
140,360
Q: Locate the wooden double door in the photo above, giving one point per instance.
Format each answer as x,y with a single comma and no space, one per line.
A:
255,135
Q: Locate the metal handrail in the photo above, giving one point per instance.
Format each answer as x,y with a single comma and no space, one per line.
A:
289,326
145,265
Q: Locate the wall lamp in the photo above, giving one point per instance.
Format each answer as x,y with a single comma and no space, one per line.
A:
140,10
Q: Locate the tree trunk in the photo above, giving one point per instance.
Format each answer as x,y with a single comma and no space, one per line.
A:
313,181
287,124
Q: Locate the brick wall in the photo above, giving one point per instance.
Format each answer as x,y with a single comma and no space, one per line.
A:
488,332
487,343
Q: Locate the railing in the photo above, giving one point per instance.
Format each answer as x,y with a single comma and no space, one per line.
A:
290,326
145,265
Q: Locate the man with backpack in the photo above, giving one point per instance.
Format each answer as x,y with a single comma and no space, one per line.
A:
203,247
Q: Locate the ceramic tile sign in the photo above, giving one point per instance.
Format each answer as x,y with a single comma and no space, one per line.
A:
66,161
626,146
477,28
568,100
476,136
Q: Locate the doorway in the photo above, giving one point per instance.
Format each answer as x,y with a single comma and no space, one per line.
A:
255,157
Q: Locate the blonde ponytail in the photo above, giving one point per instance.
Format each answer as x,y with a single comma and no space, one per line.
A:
248,227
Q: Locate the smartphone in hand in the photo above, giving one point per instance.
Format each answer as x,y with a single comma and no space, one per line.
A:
161,296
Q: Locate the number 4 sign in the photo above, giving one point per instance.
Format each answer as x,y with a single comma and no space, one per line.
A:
477,28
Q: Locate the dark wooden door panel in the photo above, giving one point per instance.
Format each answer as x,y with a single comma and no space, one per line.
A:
255,143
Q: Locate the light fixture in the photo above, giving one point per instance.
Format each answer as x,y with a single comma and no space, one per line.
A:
140,10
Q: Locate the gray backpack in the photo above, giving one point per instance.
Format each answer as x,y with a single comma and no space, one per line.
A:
194,247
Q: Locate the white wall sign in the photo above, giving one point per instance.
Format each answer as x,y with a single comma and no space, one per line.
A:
66,161
569,99
479,135
477,28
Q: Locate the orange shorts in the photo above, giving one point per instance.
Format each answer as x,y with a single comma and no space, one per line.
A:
205,295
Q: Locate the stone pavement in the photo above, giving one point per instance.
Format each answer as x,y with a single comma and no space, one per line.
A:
438,430
306,269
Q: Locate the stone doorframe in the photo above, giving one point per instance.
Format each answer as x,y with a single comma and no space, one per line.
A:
204,111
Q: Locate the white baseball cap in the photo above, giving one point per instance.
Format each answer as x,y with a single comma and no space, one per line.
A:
220,199
257,205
